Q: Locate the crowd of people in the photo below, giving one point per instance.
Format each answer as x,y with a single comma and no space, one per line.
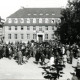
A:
61,53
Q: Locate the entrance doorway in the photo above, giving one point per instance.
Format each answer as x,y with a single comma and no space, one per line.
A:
40,37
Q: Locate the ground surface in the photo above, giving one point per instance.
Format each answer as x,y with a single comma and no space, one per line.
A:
9,69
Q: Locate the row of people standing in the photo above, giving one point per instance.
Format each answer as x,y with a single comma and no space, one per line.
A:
39,51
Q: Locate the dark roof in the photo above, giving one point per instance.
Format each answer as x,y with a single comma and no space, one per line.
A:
23,13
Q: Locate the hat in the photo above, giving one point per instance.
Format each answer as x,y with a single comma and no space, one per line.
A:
73,73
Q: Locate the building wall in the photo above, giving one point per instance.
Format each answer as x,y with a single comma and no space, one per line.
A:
25,32
24,22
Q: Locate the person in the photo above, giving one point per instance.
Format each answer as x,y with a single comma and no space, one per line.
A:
15,53
74,77
71,56
20,57
37,55
64,59
10,52
42,57
78,52
51,61
34,51
68,55
26,54
1,51
63,50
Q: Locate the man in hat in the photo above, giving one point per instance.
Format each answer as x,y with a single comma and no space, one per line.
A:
20,57
74,77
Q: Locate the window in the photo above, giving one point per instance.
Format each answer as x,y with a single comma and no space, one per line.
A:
28,27
22,36
28,20
52,27
15,20
9,27
21,20
22,28
15,36
9,36
40,20
40,28
28,36
46,20
59,20
52,20
15,27
46,27
34,27
9,20
34,20
46,36
52,36
34,36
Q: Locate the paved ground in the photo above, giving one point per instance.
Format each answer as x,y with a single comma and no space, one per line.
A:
68,70
9,69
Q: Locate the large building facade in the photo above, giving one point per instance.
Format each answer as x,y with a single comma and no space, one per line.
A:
26,24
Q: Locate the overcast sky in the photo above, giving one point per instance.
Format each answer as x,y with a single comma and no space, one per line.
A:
7,7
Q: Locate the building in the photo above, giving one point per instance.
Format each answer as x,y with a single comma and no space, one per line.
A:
26,24
1,30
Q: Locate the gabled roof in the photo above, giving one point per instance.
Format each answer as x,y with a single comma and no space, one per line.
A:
24,13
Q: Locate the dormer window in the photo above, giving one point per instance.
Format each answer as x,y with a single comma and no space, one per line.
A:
47,14
40,14
9,20
53,14
21,20
15,20
29,14
34,14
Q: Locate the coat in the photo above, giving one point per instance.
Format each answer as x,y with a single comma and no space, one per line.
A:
19,54
74,78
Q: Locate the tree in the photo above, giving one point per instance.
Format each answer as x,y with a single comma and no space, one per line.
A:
70,23
1,22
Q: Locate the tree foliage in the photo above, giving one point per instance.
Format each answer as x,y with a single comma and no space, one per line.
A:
70,23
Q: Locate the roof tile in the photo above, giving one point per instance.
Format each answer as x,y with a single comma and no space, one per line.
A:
24,13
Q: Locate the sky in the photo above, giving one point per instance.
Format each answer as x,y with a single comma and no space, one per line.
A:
8,7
